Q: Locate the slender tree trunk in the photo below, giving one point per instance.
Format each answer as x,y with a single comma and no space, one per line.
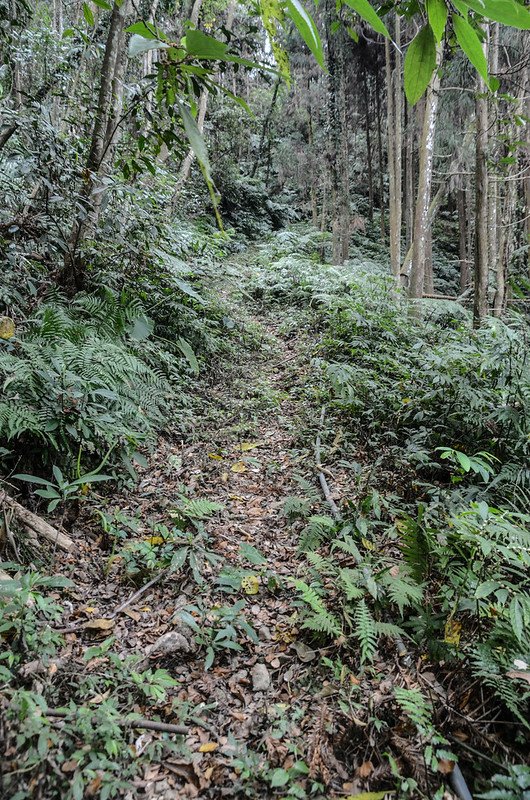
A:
421,214
72,276
394,147
462,239
480,304
265,127
380,156
409,174
368,147
494,248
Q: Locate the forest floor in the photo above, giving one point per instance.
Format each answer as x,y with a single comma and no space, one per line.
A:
215,641
271,717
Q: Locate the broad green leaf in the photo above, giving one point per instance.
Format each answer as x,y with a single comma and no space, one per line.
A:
463,460
251,553
146,31
516,618
201,45
198,146
468,40
141,329
139,44
279,777
31,479
88,15
366,12
307,29
437,14
102,4
509,12
420,63
188,354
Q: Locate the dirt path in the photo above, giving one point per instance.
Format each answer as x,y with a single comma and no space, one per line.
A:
261,717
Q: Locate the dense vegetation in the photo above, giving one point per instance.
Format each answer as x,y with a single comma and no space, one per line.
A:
264,420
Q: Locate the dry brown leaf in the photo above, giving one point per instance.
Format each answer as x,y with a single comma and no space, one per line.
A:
208,747
365,769
100,624
519,675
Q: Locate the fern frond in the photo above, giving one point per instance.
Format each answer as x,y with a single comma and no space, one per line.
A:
365,631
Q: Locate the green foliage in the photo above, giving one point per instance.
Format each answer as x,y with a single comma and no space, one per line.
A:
218,629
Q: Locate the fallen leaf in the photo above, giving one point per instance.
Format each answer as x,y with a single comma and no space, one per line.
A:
69,766
100,624
445,766
239,466
208,747
156,540
452,632
132,614
304,652
369,796
99,698
250,584
246,446
215,456
365,769
519,674
7,328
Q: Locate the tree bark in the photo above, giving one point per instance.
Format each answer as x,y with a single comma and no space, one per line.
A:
462,239
394,146
380,157
480,303
426,156
72,276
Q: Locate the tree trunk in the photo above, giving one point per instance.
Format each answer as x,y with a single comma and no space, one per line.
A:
368,148
462,239
394,146
380,157
72,275
409,174
480,304
426,157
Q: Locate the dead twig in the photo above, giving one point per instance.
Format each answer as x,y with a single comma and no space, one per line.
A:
147,724
321,476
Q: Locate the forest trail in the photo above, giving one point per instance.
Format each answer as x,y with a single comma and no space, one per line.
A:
267,718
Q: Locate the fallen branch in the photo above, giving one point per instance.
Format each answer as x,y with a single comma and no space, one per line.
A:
140,592
321,477
36,524
125,722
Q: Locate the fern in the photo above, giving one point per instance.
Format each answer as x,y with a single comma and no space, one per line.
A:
365,631
320,620
197,508
294,507
317,530
515,785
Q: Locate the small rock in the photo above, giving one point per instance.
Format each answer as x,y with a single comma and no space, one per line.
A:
171,642
261,680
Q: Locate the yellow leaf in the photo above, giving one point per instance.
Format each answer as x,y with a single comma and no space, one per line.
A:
208,747
367,544
239,466
215,456
406,400
369,796
246,446
7,328
156,540
250,584
236,497
452,632
89,609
